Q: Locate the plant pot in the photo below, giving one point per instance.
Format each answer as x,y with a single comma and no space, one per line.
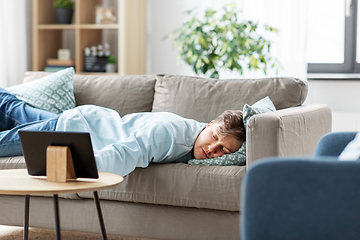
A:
64,15
110,67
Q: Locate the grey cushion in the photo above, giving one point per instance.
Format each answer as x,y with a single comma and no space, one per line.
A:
180,184
176,184
125,94
16,162
204,99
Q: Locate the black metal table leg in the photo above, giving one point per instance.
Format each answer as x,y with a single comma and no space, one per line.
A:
101,220
57,217
26,220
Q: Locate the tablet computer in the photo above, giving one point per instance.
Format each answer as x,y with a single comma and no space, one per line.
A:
34,144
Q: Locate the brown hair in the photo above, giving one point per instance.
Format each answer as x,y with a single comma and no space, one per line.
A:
232,124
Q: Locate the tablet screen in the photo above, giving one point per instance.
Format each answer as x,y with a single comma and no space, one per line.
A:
34,144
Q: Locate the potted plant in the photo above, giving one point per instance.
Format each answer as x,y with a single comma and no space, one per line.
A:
220,40
64,10
110,65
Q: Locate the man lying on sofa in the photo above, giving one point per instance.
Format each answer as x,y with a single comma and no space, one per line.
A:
123,143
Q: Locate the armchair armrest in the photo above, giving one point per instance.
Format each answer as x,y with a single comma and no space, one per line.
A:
301,198
287,132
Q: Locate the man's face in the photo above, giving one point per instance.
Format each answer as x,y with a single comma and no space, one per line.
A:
209,144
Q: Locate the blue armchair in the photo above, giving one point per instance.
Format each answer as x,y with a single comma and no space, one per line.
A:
299,198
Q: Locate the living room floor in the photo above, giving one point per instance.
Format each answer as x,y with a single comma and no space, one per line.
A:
16,233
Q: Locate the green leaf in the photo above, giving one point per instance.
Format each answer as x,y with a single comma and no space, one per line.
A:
229,63
64,4
253,61
209,13
202,40
206,60
198,63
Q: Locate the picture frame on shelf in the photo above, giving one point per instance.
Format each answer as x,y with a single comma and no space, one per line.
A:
105,15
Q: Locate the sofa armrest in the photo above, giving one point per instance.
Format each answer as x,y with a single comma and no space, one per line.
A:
287,132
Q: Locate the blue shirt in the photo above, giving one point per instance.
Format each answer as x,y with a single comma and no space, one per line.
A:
123,143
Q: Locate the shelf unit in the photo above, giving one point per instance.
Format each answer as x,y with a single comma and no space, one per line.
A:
127,35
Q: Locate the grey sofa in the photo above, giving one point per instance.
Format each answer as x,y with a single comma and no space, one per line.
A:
179,201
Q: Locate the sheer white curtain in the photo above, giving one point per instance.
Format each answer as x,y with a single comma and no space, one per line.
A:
13,41
289,45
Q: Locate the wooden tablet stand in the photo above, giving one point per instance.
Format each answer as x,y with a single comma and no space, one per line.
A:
59,164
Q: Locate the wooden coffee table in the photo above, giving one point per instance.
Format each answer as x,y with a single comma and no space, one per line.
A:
19,182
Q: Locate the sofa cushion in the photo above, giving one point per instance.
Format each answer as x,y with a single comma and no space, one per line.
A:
180,184
125,94
176,184
54,92
16,162
204,99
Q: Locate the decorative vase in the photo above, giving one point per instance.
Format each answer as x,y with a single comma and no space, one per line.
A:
64,15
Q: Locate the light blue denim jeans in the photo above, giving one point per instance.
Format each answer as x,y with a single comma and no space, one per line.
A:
17,115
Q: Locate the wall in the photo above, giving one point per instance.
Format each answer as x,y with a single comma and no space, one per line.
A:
343,97
340,95
29,34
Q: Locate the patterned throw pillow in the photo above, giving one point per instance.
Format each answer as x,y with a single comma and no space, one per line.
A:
239,157
53,93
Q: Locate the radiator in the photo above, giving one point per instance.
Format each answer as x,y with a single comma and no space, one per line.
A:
345,121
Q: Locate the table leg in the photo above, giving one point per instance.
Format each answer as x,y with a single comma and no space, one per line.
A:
26,220
57,217
101,220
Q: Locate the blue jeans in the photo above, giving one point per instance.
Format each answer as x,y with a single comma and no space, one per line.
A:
16,115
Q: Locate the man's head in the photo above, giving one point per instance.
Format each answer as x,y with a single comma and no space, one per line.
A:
224,135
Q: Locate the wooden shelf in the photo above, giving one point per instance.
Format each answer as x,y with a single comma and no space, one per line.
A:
56,26
77,26
127,35
99,26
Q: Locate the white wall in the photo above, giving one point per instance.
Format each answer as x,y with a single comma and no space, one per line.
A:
340,95
343,98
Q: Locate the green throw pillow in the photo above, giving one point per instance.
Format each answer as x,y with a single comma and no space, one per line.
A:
239,157
53,93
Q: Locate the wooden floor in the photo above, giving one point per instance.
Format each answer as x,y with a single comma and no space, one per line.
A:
16,233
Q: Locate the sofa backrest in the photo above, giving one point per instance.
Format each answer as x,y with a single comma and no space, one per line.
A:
204,99
125,94
198,98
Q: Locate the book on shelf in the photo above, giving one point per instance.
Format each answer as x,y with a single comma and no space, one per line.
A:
54,68
54,64
58,62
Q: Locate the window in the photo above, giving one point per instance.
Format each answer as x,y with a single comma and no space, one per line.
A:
333,36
